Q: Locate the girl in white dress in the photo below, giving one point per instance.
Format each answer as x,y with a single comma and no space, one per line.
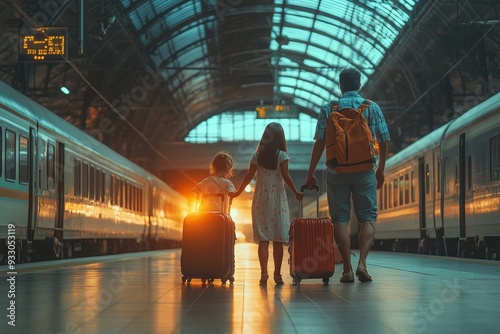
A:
270,212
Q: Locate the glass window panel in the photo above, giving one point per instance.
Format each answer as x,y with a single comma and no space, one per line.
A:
23,160
495,158
427,179
51,166
10,155
1,151
85,180
413,186
239,126
77,177
401,190
395,184
407,189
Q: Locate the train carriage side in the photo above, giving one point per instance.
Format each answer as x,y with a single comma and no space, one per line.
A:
471,181
408,204
168,211
77,191
16,187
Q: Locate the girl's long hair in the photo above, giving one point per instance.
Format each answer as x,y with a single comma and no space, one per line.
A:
273,140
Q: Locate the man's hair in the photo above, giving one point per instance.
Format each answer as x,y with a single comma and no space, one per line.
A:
350,79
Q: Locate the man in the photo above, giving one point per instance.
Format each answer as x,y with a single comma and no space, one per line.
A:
361,186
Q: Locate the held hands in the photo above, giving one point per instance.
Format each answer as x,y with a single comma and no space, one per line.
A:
234,194
310,182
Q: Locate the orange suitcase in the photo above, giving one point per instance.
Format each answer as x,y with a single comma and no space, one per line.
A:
312,249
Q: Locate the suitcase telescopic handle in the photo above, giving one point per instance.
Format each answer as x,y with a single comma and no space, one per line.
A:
222,198
301,204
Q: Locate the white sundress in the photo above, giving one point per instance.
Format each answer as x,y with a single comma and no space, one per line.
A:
270,211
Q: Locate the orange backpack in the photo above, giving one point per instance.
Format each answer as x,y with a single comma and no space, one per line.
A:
348,141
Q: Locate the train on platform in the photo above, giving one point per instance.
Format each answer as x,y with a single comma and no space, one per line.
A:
65,194
441,194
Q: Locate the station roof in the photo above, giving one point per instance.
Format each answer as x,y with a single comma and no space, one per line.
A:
151,70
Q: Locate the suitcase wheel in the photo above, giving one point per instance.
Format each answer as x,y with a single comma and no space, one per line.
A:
296,280
326,280
230,279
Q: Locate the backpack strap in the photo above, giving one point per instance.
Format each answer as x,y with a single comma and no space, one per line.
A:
365,104
334,105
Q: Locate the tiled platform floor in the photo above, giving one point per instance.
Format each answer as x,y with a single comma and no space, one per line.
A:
143,293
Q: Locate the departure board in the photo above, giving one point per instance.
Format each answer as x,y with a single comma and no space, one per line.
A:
43,44
277,111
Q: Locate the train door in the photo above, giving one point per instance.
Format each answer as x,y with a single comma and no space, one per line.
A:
421,199
59,223
33,183
461,181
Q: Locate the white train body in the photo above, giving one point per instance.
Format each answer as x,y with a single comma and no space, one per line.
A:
62,190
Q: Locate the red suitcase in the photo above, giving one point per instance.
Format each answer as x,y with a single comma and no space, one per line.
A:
312,250
208,246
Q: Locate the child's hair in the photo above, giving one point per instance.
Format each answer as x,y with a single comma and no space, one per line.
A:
222,161
273,139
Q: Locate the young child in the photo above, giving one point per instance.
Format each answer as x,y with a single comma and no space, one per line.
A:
217,183
270,212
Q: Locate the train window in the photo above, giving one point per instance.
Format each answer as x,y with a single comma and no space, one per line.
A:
51,168
469,172
444,176
1,150
495,158
129,196
85,180
98,185
385,195
395,196
118,192
401,189
132,198
140,200
427,179
412,185
112,189
77,175
389,193
10,155
121,184
407,189
126,198
23,159
136,199
439,176
92,182
103,185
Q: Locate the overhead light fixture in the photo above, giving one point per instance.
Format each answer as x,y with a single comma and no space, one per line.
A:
65,90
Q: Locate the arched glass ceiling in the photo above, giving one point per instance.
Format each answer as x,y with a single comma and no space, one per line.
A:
332,35
244,126
310,42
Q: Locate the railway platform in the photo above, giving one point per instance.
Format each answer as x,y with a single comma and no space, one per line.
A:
144,293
